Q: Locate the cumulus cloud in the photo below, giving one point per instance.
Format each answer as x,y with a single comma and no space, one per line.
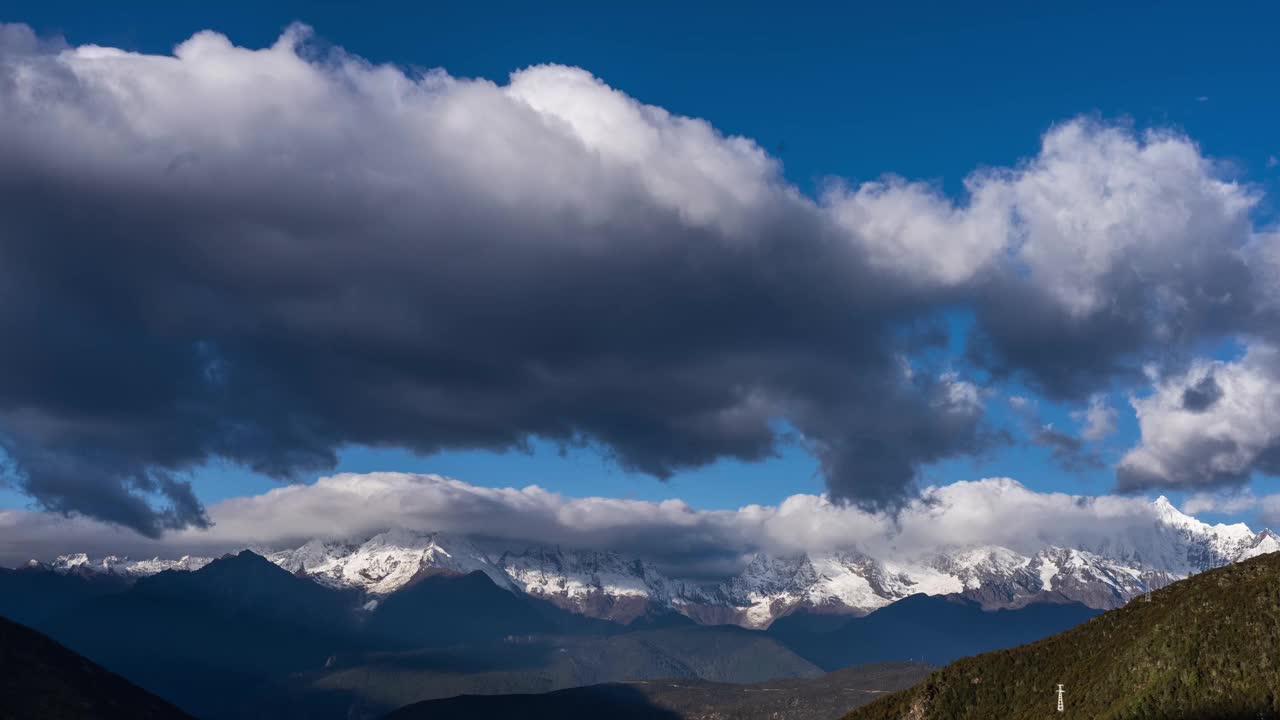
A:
265,256
1212,426
683,540
1125,244
274,255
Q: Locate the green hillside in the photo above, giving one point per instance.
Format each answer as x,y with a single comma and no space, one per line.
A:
1206,648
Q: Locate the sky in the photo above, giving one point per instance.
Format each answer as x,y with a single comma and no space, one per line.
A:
724,257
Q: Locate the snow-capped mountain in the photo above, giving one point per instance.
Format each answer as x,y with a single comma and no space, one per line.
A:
387,561
1103,574
80,563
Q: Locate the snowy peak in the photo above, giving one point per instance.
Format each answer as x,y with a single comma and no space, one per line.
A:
79,563
1265,542
1169,515
387,561
1104,573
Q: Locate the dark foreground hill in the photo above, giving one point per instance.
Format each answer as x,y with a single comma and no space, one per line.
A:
41,679
821,698
1205,648
934,629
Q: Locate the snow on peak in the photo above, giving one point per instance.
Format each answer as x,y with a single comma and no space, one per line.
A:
386,561
1170,515
111,564
1102,573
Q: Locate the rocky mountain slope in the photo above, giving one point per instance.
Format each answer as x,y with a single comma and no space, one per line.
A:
1102,574
1204,647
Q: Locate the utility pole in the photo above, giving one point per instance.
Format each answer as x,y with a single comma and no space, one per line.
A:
1060,707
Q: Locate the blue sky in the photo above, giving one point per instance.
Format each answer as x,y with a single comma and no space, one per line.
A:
928,91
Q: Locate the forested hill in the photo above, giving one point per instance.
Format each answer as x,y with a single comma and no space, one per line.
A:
1206,648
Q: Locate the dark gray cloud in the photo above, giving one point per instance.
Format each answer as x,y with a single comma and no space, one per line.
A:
267,256
1202,395
310,256
1068,451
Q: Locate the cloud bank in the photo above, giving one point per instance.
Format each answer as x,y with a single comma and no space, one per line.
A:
683,540
267,255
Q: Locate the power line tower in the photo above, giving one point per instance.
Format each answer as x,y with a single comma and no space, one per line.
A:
1060,706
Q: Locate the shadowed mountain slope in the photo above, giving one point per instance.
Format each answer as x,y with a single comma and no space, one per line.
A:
41,679
935,629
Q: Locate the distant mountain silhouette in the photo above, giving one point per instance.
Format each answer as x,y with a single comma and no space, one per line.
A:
552,662
42,680
615,702
935,629
234,624
820,698
1204,648
444,610
31,595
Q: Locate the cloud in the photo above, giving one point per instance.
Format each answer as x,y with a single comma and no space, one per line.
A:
266,256
1229,503
279,253
1202,395
1270,506
1209,427
1065,449
1098,419
1124,246
683,540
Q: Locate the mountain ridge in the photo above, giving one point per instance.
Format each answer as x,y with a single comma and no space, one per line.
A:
624,589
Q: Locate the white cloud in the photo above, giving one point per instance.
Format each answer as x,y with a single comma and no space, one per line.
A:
1095,200
1211,426
996,511
1228,503
1098,420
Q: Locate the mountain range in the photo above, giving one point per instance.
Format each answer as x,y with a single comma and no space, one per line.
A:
243,638
1103,573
